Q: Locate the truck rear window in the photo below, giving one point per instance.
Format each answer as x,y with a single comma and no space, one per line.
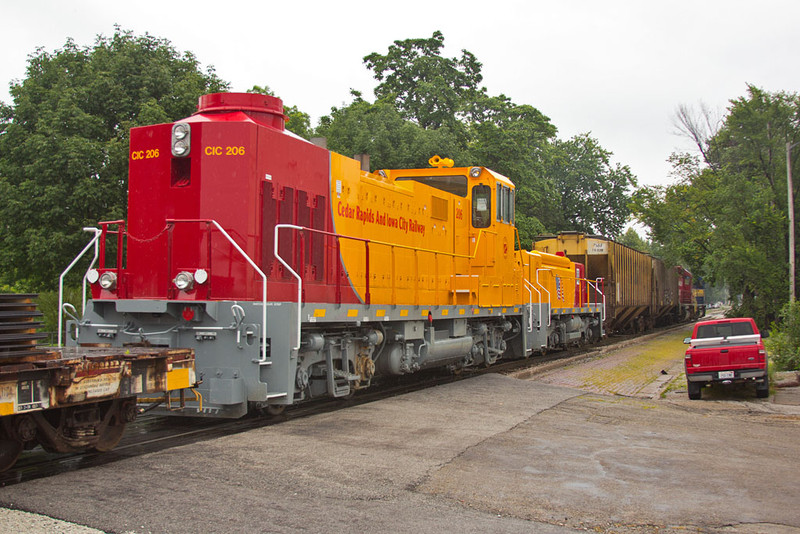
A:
724,330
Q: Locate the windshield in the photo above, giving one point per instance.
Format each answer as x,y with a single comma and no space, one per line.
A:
724,330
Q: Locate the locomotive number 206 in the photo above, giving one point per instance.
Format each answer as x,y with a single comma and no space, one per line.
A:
224,151
144,154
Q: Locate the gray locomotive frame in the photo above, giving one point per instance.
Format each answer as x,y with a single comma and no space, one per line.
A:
340,347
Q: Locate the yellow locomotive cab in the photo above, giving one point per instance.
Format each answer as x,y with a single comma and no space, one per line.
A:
435,237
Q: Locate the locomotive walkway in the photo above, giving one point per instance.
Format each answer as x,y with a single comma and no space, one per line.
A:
488,454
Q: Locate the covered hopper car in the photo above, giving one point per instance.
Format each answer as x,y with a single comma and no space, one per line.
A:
294,273
639,290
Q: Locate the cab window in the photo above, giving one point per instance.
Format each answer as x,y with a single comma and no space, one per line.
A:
481,206
504,199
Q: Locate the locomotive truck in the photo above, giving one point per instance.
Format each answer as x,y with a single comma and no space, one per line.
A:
294,273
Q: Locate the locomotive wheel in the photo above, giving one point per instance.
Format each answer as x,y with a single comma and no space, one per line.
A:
589,335
10,450
109,437
350,394
275,409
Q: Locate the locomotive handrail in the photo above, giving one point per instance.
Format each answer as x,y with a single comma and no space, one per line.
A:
549,301
299,281
93,241
121,234
596,287
366,242
530,304
263,360
300,278
589,301
141,333
530,319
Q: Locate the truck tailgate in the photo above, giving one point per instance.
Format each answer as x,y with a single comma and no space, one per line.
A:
736,357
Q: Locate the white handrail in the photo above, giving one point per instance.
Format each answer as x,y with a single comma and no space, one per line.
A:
530,319
297,276
263,360
549,300
530,305
597,291
93,241
263,276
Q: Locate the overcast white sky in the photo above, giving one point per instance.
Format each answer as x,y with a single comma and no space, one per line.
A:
615,68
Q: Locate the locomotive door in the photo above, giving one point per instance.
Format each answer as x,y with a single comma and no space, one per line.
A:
463,287
461,234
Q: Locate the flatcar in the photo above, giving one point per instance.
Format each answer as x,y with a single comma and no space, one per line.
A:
76,399
294,273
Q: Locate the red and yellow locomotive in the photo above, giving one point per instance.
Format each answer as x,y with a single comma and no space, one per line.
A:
293,273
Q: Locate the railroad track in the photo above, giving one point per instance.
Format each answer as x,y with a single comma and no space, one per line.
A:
152,433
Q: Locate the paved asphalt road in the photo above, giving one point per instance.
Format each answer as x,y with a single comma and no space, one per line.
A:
490,454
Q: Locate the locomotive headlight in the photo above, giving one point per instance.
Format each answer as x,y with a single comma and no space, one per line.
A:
108,280
180,149
92,276
181,139
180,130
184,281
200,276
475,172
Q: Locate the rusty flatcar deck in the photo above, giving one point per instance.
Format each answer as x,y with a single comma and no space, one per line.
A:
62,377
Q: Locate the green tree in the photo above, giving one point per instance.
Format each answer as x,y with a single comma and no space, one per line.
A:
380,130
431,90
677,216
783,344
726,217
632,239
513,140
510,139
298,122
428,104
64,146
592,194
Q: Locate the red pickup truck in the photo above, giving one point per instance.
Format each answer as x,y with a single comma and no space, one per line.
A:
726,351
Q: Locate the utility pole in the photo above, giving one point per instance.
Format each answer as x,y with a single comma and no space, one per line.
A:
790,206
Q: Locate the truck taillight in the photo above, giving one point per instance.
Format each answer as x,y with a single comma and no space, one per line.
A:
762,355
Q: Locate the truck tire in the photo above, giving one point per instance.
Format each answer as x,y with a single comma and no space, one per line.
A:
762,389
695,390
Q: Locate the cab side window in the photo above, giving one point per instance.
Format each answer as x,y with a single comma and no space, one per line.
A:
481,206
505,204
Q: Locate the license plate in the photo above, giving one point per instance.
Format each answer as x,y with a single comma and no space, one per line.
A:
727,374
